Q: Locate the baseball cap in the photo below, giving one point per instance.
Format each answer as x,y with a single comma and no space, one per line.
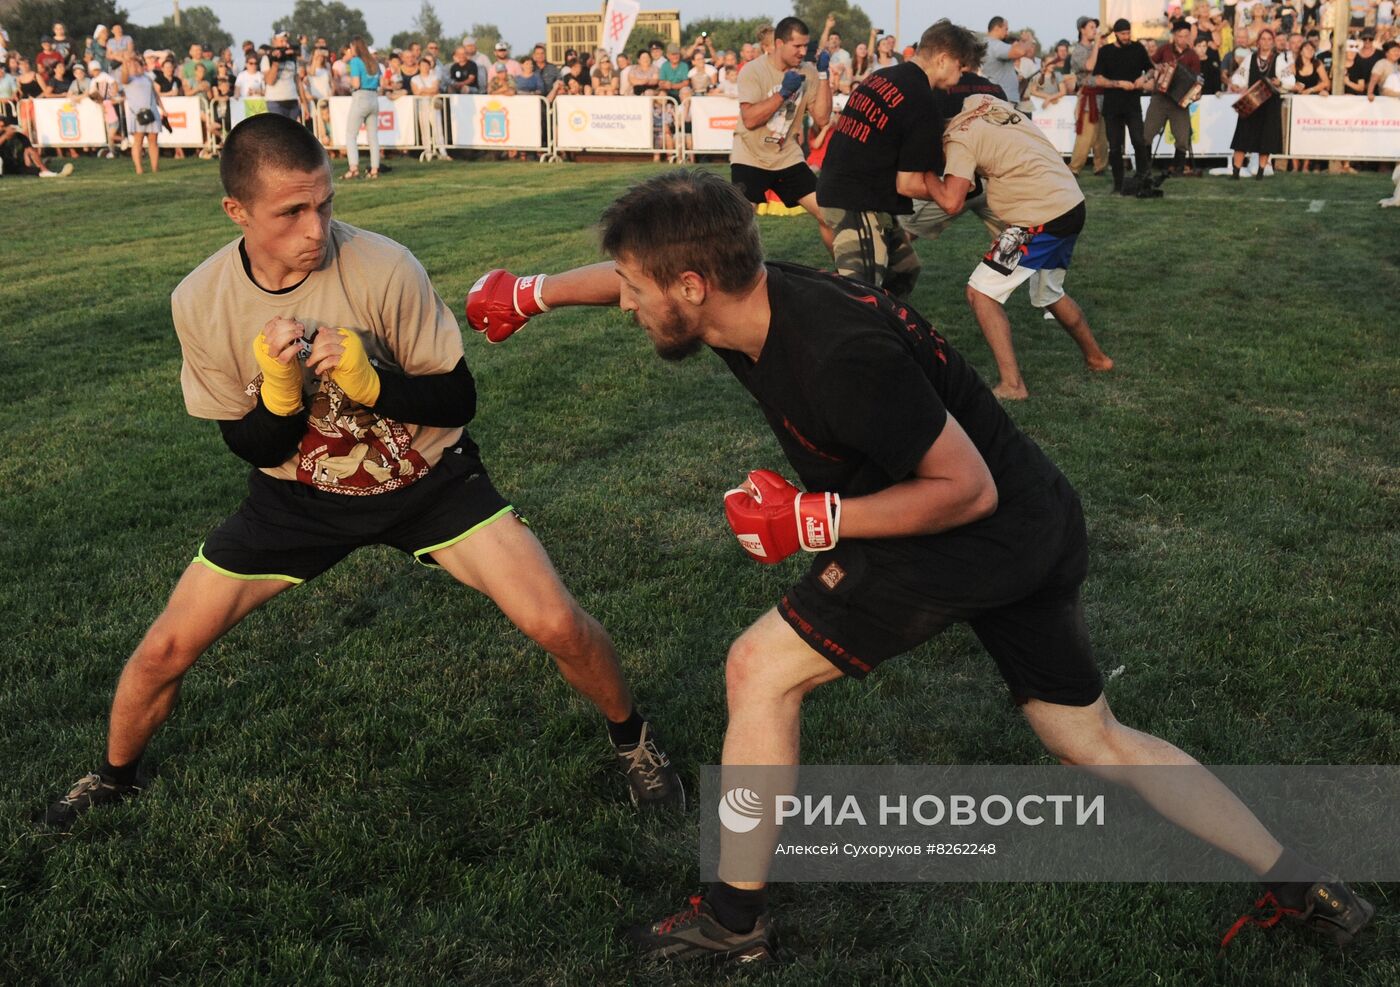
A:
502,46
94,66
673,48
1079,24
469,39
1122,24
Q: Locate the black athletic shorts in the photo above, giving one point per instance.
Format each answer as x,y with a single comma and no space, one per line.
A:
291,531
1015,581
790,184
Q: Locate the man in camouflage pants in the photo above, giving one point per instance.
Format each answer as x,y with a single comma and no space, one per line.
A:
886,142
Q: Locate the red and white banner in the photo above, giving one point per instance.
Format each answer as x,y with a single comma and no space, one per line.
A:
78,122
186,125
502,122
712,121
619,18
1350,127
398,122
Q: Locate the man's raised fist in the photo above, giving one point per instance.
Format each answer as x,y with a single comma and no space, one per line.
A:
773,519
500,303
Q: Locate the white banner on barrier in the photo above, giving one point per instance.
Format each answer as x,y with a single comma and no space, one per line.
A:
183,115
497,121
712,122
69,123
1212,126
398,123
616,122
1344,127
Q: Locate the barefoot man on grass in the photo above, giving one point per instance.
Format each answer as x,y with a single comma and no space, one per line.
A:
1029,186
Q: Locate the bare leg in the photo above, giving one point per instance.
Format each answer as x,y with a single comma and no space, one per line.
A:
506,562
809,202
769,671
1071,318
136,152
203,607
1195,800
996,328
153,148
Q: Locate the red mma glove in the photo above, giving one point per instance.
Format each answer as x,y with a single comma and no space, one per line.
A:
773,519
500,303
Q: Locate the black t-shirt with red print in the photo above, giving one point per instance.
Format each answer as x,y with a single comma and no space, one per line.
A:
890,124
857,386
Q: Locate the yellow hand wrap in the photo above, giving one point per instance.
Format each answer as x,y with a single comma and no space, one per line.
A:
355,376
281,383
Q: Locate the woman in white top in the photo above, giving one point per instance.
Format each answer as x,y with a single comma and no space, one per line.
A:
425,86
250,81
143,111
318,77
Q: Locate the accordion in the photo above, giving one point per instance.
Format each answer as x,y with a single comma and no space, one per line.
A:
1254,97
1178,83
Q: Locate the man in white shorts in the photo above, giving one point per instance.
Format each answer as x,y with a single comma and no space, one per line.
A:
1029,186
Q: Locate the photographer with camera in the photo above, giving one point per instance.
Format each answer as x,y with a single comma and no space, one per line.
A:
279,70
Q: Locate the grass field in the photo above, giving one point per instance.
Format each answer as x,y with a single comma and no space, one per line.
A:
376,780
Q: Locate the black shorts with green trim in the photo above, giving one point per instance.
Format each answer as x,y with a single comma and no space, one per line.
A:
791,184
291,531
1014,578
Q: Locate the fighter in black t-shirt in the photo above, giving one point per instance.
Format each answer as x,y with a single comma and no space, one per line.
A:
925,502
886,139
930,219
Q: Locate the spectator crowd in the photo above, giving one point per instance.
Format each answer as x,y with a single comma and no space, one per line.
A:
295,76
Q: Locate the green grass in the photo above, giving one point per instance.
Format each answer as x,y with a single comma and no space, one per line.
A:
376,779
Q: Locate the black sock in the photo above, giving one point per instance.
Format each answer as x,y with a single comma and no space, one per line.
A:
1290,878
124,775
628,733
737,910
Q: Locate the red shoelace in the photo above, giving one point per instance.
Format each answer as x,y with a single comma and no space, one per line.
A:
666,925
1264,923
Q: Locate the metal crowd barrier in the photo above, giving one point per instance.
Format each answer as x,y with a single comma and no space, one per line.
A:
619,125
484,122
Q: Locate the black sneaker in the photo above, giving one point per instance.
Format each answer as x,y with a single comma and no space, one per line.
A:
654,783
695,933
89,791
1328,907
1335,910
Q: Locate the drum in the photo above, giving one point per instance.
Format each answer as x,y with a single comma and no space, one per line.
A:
1254,97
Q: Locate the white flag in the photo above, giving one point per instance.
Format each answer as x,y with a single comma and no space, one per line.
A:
618,21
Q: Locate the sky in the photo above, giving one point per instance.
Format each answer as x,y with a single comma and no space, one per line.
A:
522,21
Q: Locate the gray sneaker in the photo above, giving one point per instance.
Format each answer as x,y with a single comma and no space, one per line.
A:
694,933
89,791
653,781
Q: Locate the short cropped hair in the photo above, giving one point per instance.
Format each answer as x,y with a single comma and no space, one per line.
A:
686,220
995,23
947,38
788,26
261,142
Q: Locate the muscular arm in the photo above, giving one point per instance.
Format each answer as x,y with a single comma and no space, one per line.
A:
595,284
950,193
820,107
951,487
757,114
